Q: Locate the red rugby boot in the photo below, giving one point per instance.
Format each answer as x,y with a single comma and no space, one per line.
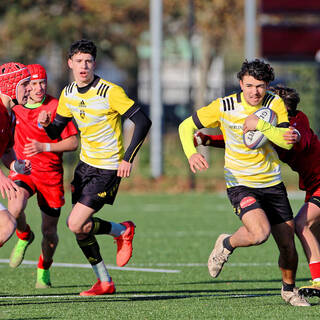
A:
100,288
124,244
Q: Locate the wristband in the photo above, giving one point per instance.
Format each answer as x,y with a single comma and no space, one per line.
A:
47,147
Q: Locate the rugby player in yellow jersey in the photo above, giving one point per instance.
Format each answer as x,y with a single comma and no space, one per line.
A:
253,177
97,106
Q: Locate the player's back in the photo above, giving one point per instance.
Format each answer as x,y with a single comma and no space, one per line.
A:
304,157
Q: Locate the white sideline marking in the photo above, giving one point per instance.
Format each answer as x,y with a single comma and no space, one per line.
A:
116,296
88,266
142,266
239,264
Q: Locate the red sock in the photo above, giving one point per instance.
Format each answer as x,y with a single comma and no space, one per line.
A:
314,269
25,235
44,265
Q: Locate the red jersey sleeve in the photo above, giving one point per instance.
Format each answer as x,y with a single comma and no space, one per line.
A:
69,130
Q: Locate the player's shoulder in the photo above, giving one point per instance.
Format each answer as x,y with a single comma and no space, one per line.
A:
301,118
69,89
271,99
50,100
230,102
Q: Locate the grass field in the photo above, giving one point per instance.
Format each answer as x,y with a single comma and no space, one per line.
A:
167,277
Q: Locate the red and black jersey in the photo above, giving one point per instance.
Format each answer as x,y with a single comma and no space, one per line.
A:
27,126
6,137
304,157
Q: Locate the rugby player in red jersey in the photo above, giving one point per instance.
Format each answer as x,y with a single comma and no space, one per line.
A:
46,179
304,158
14,88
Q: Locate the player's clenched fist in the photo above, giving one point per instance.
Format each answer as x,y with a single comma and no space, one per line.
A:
44,118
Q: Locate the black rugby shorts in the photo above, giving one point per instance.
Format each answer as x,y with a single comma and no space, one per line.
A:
94,187
272,200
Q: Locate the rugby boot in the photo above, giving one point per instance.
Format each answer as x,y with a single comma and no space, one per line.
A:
19,251
100,288
124,244
43,279
218,256
293,298
312,290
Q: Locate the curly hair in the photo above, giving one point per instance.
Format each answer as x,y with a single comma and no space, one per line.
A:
83,46
289,96
257,69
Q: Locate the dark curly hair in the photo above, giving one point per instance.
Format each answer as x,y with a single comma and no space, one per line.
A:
83,46
289,96
257,69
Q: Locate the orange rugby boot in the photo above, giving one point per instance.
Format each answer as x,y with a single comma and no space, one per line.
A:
124,244
100,288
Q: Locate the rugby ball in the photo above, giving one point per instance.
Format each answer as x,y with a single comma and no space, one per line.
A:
255,139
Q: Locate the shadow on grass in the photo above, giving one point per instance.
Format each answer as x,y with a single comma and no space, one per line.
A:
214,281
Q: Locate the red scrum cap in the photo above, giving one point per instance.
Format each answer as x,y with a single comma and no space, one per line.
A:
11,75
37,72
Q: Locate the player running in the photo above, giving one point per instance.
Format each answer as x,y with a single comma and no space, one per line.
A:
303,158
46,179
253,177
97,106
14,89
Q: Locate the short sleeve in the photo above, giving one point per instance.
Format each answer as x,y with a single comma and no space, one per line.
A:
209,116
118,100
62,109
69,130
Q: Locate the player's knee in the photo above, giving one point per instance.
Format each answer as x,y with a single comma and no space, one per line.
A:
74,226
260,236
50,235
10,225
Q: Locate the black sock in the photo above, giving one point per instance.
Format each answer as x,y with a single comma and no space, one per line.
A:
90,249
227,245
287,287
100,226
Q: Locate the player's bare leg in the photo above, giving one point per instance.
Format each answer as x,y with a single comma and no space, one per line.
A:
283,234
307,225
7,225
255,230
25,235
49,244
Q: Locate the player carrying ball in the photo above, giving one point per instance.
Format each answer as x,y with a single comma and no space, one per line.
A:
253,177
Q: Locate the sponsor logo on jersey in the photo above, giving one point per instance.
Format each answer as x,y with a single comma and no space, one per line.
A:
82,104
247,201
236,126
102,194
82,114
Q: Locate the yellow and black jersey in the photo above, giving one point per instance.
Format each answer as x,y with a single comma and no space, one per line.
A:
97,113
257,168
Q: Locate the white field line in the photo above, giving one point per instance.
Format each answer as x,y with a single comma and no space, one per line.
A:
117,296
88,266
147,267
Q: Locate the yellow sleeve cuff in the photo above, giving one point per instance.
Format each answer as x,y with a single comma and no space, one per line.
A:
186,130
274,134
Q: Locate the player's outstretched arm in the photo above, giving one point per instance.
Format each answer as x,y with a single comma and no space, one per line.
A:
34,147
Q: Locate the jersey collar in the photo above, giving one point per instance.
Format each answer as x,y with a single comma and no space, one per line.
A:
35,105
